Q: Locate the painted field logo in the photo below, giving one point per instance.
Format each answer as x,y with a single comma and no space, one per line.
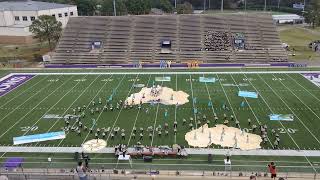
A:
11,82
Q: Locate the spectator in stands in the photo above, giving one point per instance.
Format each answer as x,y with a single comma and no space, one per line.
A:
272,170
253,177
217,41
81,170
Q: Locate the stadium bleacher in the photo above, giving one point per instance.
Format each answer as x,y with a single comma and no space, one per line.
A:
127,39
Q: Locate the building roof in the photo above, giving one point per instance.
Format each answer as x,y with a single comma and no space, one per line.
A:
30,5
287,17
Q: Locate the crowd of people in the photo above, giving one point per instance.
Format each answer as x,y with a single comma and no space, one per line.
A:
217,41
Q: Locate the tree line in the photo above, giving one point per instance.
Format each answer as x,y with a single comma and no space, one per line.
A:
124,7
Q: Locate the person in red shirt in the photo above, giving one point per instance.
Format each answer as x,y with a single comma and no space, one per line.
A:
272,170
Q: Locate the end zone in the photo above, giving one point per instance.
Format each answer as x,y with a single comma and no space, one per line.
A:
12,81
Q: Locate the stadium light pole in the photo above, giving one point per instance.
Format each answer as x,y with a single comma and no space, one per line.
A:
114,8
221,5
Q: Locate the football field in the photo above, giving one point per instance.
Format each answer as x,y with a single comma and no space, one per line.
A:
41,104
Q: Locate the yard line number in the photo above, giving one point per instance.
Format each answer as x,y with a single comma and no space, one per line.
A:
280,130
80,80
28,128
107,80
278,79
289,130
53,80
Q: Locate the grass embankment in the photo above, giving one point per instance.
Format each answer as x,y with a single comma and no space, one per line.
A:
299,39
26,52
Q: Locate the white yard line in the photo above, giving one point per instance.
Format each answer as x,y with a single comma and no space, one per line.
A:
17,87
191,151
72,105
227,99
193,104
52,106
18,121
281,122
115,122
295,113
32,110
169,73
209,95
304,87
40,91
175,110
11,99
97,119
271,108
254,114
155,120
135,121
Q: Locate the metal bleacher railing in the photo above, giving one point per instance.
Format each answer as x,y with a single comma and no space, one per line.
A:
66,170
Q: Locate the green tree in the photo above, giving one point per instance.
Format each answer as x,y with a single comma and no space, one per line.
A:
185,8
138,6
166,6
312,14
107,7
86,7
46,28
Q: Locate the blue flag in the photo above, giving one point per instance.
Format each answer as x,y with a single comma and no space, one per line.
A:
195,110
194,100
242,104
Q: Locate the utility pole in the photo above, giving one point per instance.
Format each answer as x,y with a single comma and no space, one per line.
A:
245,5
221,5
265,5
114,8
175,4
278,4
209,4
204,5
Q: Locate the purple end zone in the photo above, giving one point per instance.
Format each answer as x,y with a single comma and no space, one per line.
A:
311,74
11,82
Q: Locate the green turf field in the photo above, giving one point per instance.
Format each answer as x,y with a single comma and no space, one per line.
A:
22,110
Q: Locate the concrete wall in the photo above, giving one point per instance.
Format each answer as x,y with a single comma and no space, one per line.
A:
2,19
27,14
15,31
64,19
7,18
